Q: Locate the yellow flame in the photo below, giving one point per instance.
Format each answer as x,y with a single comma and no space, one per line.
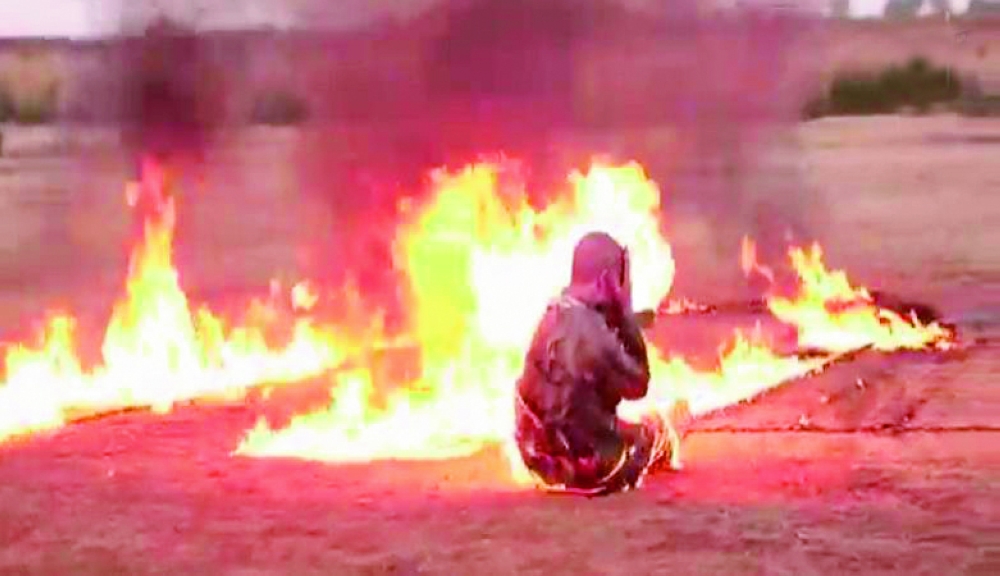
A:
156,351
482,265
831,314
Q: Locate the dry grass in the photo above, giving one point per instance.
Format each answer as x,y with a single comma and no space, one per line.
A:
909,209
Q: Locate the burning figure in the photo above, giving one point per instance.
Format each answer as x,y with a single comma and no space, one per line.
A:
587,355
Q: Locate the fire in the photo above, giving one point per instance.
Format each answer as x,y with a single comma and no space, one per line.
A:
747,366
482,265
304,296
749,263
156,351
677,307
831,314
479,263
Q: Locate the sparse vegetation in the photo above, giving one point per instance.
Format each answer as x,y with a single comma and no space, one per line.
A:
6,104
976,102
279,108
30,85
917,85
38,108
901,9
983,105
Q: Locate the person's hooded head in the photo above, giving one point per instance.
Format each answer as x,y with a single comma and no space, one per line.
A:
600,271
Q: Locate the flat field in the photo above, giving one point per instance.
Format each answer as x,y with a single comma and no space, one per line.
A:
896,475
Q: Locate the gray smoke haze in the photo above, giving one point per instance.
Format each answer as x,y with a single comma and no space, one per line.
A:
166,105
708,101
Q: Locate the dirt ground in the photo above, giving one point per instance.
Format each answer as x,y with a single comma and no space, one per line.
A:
882,466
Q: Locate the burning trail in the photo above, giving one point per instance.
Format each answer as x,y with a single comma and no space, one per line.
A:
481,265
831,314
156,351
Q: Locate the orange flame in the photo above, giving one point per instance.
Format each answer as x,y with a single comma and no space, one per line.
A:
482,265
156,351
677,307
831,314
749,263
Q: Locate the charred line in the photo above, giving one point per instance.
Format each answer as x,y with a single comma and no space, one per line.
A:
877,430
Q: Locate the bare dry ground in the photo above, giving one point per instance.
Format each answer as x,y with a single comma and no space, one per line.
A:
883,466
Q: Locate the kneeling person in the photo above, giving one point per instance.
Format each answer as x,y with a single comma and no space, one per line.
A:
587,355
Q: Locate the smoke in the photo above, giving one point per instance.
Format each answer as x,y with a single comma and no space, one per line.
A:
736,109
707,98
172,100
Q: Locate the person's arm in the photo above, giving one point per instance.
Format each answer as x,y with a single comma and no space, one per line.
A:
630,334
625,359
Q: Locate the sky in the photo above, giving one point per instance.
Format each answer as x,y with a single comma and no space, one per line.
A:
84,18
45,17
87,18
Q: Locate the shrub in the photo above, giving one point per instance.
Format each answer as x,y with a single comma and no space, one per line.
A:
917,85
6,104
38,108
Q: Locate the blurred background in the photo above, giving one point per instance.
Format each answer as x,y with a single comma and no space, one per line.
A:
302,123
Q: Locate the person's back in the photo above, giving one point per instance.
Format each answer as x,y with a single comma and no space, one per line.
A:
587,356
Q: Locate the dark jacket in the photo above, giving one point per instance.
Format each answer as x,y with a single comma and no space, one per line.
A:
580,366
